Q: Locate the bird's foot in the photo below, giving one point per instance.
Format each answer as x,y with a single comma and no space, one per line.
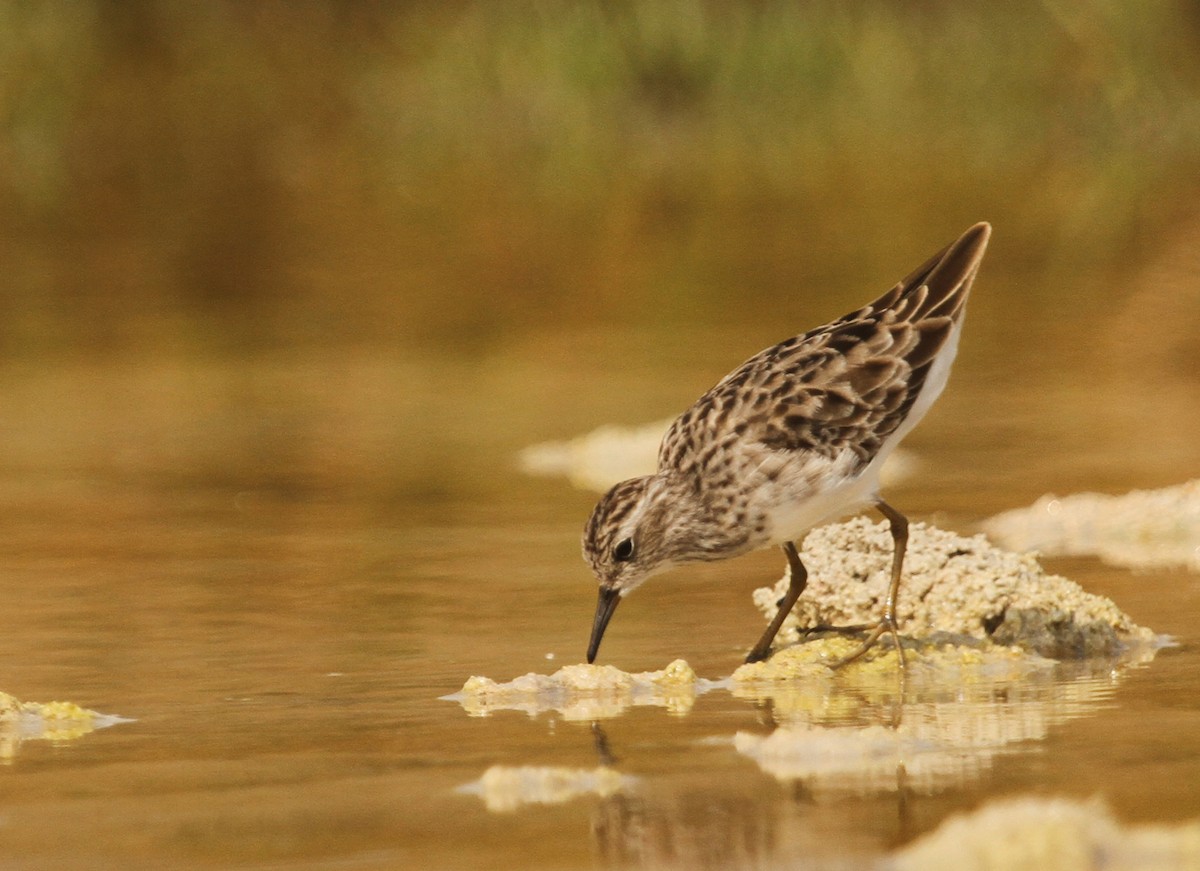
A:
874,631
823,628
757,655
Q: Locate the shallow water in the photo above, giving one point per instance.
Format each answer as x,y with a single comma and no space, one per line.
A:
278,566
289,286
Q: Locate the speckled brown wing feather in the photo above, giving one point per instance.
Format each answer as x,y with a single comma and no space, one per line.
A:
845,386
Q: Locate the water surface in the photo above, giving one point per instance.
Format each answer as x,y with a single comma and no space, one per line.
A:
277,566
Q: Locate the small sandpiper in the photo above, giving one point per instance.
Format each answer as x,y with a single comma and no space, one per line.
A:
793,438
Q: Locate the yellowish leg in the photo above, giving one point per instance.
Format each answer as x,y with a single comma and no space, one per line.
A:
899,526
798,578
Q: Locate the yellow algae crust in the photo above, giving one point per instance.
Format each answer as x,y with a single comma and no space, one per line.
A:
1046,833
47,721
64,713
61,721
10,708
506,788
961,663
1140,529
952,584
584,692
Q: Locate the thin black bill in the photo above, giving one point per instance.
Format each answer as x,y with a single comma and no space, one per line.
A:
605,605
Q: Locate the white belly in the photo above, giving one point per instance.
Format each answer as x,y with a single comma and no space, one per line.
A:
816,491
821,500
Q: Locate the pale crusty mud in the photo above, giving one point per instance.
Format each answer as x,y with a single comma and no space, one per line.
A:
47,721
505,788
585,692
970,614
953,586
861,760
1045,833
598,459
1140,529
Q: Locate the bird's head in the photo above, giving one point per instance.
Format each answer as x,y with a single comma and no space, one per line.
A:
631,535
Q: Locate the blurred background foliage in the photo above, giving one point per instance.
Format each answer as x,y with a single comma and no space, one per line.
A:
232,176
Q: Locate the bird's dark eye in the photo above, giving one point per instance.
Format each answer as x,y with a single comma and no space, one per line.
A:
624,550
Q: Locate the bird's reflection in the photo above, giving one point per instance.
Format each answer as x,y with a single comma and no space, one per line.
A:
604,754
849,762
848,768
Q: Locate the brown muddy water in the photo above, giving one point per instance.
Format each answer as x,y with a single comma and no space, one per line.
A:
287,287
276,567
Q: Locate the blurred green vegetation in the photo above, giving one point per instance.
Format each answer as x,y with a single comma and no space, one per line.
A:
232,175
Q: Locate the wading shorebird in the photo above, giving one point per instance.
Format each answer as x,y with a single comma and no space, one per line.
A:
791,439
